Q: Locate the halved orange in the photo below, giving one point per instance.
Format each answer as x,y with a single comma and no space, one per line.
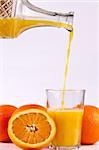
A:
31,127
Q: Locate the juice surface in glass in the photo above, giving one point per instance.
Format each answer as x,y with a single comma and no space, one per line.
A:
68,124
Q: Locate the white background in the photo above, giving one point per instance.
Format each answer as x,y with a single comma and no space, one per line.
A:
36,59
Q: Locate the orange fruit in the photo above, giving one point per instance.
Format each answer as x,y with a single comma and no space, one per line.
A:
25,107
5,114
31,127
90,126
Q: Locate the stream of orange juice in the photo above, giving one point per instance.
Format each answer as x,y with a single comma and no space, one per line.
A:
13,27
66,67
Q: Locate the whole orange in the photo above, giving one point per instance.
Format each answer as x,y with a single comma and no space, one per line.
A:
5,114
28,106
90,125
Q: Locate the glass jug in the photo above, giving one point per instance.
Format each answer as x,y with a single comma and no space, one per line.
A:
16,16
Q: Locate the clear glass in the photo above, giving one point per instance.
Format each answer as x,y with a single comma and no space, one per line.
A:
17,16
68,117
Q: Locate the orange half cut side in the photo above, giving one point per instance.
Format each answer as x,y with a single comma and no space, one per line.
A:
31,128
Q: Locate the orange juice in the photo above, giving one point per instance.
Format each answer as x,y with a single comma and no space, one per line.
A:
66,67
13,27
68,124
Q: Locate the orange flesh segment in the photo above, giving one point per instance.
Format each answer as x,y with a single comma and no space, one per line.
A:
32,128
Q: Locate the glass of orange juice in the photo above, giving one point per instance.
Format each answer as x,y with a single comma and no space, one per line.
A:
66,108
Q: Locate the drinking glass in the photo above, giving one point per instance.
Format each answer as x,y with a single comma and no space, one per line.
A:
67,116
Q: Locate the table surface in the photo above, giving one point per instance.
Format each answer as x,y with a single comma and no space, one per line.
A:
9,146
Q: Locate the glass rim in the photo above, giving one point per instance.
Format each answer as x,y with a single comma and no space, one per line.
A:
68,90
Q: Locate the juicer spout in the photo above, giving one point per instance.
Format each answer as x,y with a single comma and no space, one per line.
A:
68,17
